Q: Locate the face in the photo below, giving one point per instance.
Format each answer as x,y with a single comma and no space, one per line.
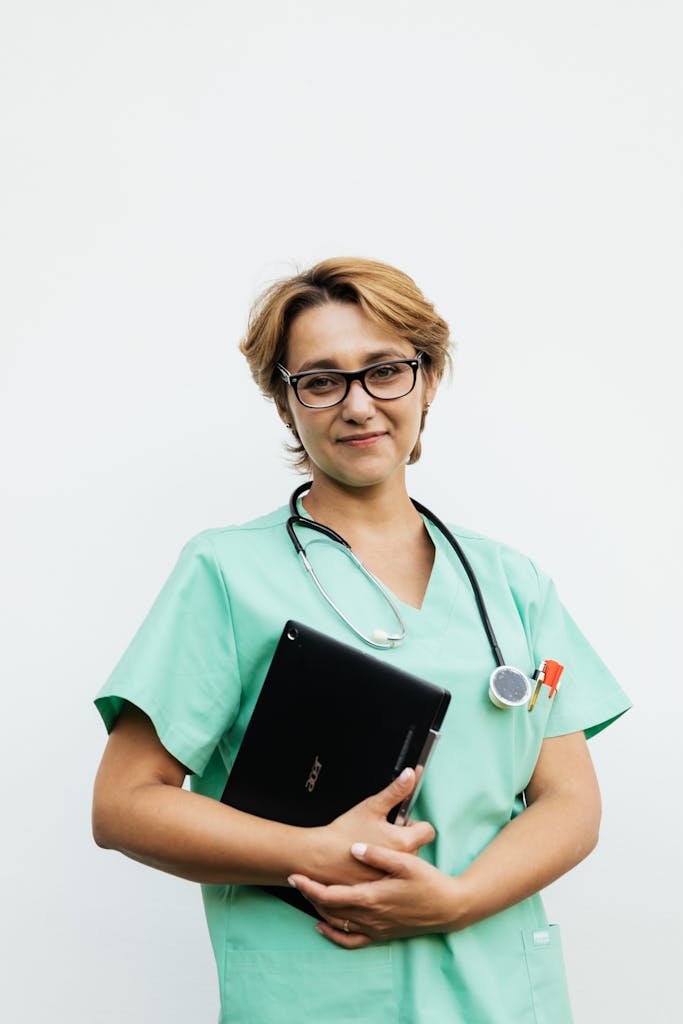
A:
363,441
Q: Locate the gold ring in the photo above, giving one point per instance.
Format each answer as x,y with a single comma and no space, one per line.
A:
345,926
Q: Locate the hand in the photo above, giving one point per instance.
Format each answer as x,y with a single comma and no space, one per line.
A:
367,822
409,898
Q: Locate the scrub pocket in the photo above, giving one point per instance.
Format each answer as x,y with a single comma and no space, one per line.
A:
297,988
545,967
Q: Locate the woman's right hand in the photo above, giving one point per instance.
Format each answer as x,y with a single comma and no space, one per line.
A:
367,823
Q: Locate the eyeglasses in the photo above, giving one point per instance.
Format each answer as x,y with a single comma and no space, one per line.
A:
321,389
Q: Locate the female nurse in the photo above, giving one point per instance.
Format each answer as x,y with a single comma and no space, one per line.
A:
440,920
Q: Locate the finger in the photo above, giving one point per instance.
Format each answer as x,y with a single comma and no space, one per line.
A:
390,861
420,833
342,924
333,921
313,891
328,895
349,940
394,793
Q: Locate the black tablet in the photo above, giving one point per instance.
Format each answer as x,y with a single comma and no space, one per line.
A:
331,726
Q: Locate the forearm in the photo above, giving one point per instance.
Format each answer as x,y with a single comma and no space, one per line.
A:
158,823
203,840
542,843
140,809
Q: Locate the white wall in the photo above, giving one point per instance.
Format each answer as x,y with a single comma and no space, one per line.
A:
161,163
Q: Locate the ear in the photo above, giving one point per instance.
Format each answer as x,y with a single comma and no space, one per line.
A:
285,414
431,386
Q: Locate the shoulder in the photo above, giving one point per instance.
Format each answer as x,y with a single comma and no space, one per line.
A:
495,559
235,540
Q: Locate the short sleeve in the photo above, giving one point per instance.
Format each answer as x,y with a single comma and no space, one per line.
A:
589,697
181,667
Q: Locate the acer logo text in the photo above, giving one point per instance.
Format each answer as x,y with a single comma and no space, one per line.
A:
314,773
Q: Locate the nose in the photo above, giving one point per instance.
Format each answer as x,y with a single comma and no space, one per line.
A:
358,406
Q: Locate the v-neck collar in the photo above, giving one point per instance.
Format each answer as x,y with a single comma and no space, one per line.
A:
443,585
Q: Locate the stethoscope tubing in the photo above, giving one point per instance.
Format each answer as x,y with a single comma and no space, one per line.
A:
478,596
392,641
326,531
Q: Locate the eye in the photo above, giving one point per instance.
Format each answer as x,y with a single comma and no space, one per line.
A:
319,382
385,372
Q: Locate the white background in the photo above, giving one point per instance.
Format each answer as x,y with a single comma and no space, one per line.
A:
161,163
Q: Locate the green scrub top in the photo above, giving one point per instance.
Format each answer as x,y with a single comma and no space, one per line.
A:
195,668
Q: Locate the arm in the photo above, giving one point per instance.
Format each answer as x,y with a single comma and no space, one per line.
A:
557,830
140,809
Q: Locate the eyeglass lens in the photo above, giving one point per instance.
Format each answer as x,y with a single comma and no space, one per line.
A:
386,380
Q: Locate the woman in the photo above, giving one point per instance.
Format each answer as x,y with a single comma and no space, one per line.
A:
352,354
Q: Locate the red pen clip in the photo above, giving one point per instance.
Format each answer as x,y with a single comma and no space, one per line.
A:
547,675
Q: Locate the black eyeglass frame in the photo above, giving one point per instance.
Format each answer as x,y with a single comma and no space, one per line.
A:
349,377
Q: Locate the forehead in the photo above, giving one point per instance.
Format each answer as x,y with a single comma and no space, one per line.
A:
340,334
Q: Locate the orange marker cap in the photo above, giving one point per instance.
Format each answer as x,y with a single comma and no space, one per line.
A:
553,671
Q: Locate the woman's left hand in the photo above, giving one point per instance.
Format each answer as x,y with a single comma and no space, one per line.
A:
412,898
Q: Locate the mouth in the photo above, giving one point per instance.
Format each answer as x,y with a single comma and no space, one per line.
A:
361,440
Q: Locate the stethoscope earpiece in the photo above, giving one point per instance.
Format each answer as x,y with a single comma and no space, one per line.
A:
380,636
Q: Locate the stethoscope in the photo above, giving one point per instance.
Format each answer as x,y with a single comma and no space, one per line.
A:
509,687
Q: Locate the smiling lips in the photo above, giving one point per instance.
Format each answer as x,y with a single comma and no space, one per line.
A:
361,440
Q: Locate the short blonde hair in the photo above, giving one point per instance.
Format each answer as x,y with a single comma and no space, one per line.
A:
384,294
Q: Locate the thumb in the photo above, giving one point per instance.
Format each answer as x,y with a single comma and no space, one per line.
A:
394,793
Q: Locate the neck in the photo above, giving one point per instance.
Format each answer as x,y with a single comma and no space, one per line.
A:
385,506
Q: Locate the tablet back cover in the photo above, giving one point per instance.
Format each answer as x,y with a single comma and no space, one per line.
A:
331,726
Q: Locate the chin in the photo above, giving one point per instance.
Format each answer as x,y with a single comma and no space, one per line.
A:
359,476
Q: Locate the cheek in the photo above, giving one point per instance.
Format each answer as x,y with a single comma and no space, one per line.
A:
307,429
418,413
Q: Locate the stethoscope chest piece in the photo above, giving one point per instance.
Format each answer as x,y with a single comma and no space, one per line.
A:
509,687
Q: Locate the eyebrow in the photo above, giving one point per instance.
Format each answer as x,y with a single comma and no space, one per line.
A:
371,357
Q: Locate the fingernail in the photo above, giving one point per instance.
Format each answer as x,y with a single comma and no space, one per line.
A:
292,882
319,929
405,774
358,849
